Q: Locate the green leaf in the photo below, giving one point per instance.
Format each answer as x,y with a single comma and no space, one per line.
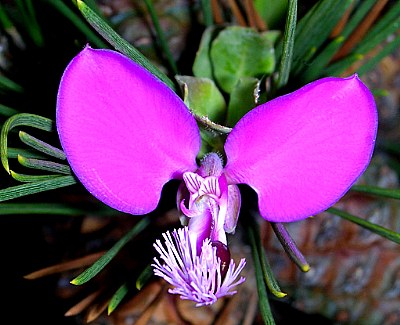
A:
314,29
388,48
241,52
263,302
120,44
8,85
144,277
378,191
78,23
271,11
31,178
7,111
379,230
52,209
269,277
99,265
4,19
13,153
41,146
117,298
207,12
14,192
287,47
27,13
290,246
44,165
316,68
202,97
202,66
22,119
387,26
244,97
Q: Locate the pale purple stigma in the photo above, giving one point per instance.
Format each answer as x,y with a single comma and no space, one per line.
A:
194,276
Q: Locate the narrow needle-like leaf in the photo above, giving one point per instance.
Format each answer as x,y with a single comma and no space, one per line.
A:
119,43
117,298
144,277
290,247
13,192
44,165
53,209
379,230
31,178
22,119
7,111
41,146
288,44
207,12
269,277
77,21
379,191
92,271
263,302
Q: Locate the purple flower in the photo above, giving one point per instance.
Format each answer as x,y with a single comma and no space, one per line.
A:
195,274
126,134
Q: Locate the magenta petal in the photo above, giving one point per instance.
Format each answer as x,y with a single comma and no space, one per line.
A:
124,132
302,152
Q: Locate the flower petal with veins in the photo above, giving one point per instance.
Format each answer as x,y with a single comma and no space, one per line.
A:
124,132
301,152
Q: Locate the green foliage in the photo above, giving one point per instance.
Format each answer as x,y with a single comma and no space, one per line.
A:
263,302
117,298
244,97
34,183
241,52
202,66
119,43
287,45
379,230
203,98
99,265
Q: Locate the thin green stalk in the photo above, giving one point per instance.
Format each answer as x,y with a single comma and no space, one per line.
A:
268,274
9,85
314,29
23,178
288,45
379,230
28,15
99,265
117,298
41,146
263,302
14,192
52,209
372,62
77,21
121,44
22,119
7,111
44,165
144,277
207,12
290,246
378,191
